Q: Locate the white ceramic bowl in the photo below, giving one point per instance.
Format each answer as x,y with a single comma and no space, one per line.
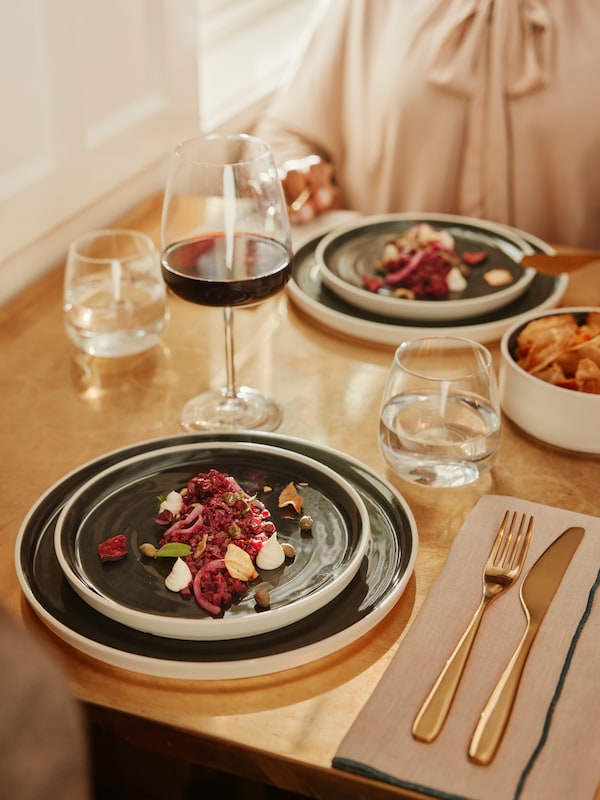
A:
560,417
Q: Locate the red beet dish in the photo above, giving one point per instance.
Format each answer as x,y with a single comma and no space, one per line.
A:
215,513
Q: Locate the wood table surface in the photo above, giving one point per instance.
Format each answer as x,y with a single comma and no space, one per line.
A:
60,409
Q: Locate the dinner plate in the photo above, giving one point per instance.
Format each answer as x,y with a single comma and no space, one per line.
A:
123,499
309,293
373,592
348,254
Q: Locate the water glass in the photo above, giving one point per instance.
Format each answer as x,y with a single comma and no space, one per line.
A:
114,297
440,414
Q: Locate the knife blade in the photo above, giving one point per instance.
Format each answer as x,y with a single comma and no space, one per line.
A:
537,591
559,262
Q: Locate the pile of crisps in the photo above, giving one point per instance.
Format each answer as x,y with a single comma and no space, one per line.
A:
560,350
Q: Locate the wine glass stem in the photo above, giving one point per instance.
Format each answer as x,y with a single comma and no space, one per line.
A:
230,390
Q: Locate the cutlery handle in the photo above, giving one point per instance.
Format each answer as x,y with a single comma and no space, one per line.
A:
432,714
494,717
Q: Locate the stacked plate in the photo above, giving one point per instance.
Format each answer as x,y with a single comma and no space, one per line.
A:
348,573
330,273
123,499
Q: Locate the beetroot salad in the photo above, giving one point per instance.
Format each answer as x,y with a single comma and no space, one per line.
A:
421,264
214,513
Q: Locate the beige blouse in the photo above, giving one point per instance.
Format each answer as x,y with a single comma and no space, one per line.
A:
485,108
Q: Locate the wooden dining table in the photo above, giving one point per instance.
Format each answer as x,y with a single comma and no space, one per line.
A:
61,408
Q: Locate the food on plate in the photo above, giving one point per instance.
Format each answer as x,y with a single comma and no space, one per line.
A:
474,257
456,281
271,555
262,598
113,549
219,535
498,277
225,528
306,522
239,564
172,502
560,350
290,497
179,577
422,264
289,550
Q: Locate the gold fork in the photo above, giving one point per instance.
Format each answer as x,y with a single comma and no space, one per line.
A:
502,568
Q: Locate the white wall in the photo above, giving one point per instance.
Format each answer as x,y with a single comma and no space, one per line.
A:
245,50
96,93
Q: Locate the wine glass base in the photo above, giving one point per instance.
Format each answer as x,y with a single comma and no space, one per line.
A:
214,411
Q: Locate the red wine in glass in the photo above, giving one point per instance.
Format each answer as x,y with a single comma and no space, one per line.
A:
214,271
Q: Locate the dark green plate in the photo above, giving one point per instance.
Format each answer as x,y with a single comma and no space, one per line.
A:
123,499
348,254
309,293
371,595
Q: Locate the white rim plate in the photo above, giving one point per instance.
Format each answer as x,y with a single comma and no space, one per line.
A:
122,499
375,590
347,253
307,291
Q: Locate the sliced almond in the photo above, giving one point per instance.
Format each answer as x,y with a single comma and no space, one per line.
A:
239,564
290,497
498,277
201,546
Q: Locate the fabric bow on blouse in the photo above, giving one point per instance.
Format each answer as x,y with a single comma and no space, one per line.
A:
490,50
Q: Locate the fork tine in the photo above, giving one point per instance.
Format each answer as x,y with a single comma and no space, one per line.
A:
510,557
499,538
507,541
514,552
519,554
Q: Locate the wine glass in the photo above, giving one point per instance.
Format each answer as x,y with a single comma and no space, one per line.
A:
226,241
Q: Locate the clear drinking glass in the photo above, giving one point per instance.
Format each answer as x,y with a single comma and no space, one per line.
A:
440,412
225,241
115,301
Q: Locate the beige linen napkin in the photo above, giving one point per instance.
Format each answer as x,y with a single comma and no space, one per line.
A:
551,747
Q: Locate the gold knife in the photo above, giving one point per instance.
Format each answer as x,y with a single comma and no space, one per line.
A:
560,262
537,591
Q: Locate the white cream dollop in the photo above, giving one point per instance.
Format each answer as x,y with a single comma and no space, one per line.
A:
179,577
456,280
173,502
390,252
271,554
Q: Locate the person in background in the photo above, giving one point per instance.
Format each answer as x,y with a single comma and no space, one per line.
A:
482,108
43,743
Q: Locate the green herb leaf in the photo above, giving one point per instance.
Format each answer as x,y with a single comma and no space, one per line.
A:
173,550
249,502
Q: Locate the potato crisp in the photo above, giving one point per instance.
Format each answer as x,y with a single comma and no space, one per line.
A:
563,351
